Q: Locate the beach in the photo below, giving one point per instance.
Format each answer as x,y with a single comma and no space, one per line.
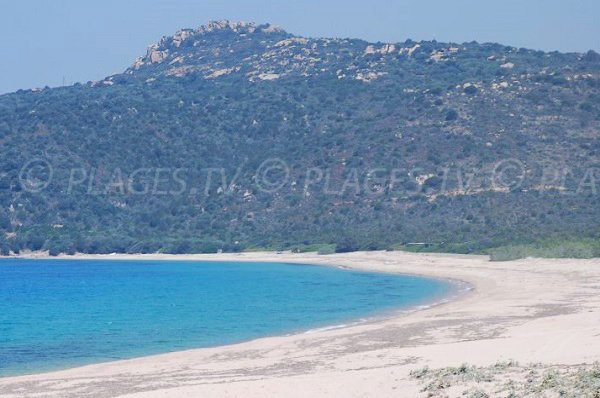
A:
533,311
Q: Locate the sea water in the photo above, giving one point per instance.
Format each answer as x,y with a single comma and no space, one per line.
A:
56,314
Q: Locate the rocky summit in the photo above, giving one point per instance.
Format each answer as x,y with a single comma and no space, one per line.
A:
234,135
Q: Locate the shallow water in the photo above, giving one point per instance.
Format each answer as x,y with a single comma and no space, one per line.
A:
57,314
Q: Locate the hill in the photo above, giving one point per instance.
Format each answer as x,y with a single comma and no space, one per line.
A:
234,136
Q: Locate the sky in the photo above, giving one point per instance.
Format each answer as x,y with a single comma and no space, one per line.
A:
51,42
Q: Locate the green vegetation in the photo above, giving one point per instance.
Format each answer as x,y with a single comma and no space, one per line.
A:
326,249
450,247
510,379
314,248
587,248
415,121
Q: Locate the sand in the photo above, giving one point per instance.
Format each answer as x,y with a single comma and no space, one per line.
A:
544,311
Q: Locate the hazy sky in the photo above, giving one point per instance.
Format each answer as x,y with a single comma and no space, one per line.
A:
46,41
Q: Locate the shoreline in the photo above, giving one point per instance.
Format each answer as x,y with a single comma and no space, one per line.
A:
457,289
532,310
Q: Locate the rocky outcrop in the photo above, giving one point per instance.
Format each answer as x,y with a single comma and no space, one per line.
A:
224,49
159,52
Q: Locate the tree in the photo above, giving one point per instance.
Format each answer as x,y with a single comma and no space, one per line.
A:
451,115
346,244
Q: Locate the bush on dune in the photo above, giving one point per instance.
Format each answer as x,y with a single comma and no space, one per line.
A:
551,249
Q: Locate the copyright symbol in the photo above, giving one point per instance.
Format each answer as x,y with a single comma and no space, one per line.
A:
508,174
272,175
36,175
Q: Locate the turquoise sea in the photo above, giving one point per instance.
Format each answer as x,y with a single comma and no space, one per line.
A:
56,314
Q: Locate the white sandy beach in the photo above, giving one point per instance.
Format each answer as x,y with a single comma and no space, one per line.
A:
530,311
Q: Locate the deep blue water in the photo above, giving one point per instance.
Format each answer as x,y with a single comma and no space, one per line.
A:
61,313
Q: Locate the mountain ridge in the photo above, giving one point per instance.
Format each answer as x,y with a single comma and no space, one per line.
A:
278,42
439,119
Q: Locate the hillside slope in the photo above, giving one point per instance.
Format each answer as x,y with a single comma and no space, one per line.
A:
236,135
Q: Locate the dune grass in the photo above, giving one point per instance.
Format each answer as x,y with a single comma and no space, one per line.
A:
588,248
510,379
